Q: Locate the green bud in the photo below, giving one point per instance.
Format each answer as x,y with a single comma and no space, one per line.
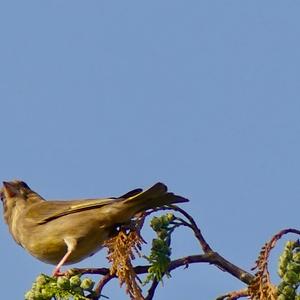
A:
296,257
281,286
281,297
52,284
29,295
287,255
151,269
170,217
281,272
290,245
63,282
72,272
162,234
75,281
41,280
283,262
156,223
288,291
291,277
87,284
78,290
157,244
292,266
164,220
46,294
38,296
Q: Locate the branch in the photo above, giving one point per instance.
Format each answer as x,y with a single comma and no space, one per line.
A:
234,295
197,232
212,258
209,256
152,289
105,279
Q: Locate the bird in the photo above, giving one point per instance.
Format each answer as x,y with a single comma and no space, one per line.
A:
63,232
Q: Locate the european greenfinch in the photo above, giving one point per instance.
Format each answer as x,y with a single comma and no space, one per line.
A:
65,232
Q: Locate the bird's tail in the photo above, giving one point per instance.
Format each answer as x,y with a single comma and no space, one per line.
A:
155,196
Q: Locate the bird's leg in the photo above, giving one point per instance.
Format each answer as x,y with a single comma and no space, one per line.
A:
56,271
71,243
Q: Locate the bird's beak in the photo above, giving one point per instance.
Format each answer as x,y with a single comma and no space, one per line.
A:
1,194
9,189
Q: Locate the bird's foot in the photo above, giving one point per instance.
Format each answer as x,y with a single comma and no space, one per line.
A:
56,272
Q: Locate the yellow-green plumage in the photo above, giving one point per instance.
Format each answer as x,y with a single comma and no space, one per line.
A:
48,229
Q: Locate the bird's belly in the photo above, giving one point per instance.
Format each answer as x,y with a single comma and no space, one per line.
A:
51,248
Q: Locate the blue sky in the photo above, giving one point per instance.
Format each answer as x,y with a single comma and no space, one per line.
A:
100,97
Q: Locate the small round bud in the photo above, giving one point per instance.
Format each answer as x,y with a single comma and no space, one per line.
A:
41,280
29,295
281,272
292,266
157,244
287,254
289,292
291,277
87,284
296,257
170,217
165,221
72,272
156,223
290,245
78,290
283,262
63,282
281,286
281,297
75,281
46,294
38,296
162,234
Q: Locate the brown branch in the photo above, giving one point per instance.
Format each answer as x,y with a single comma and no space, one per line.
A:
197,232
209,256
234,295
104,280
212,258
152,289
262,287
271,244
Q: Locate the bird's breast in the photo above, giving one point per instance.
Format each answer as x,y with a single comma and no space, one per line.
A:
47,243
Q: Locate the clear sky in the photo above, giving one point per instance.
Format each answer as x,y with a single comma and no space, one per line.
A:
99,97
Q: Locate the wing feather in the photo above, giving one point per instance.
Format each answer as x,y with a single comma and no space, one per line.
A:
46,211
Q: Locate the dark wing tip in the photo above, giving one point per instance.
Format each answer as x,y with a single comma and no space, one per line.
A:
131,193
180,199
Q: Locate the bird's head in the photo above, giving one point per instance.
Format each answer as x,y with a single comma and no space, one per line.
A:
14,196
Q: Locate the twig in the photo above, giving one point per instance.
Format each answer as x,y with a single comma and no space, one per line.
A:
271,244
212,258
197,232
104,280
152,289
209,256
234,295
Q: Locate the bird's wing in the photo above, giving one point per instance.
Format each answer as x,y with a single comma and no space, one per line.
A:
131,193
44,212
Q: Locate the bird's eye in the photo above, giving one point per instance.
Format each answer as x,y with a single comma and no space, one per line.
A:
24,185
23,192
